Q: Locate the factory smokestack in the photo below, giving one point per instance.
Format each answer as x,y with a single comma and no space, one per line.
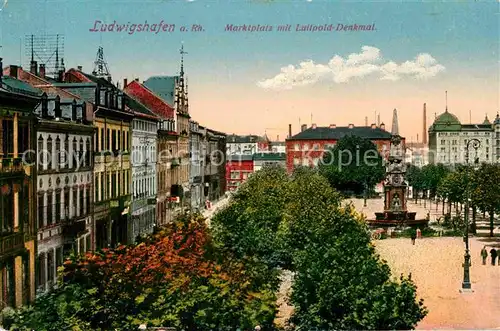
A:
424,132
378,120
366,121
289,131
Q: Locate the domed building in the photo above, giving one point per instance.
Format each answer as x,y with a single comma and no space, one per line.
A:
448,138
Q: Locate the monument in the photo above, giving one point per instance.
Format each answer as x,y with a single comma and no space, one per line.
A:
395,186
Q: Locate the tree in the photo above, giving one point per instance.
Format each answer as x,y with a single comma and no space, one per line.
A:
486,190
174,278
353,165
415,179
340,282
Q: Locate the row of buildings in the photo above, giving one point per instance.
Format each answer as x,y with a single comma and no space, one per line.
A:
86,164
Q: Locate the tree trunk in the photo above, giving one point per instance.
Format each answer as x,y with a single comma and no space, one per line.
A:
474,212
492,216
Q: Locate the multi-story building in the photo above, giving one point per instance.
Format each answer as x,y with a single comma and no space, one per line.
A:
64,184
416,154
308,146
448,139
17,192
64,145
112,143
143,157
238,169
213,163
247,145
278,147
261,160
167,150
195,176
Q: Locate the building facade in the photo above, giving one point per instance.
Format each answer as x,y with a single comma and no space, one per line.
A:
247,145
17,192
308,146
448,139
64,139
214,164
238,169
195,176
261,160
112,144
167,162
144,162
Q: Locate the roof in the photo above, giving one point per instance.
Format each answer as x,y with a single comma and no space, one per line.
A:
138,108
328,133
446,122
149,99
240,157
18,86
486,121
497,119
162,86
85,77
270,156
233,138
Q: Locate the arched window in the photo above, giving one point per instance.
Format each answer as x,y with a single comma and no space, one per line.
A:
41,154
75,153
50,153
87,153
58,153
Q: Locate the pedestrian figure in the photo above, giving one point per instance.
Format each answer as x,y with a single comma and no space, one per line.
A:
484,255
498,256
493,253
413,236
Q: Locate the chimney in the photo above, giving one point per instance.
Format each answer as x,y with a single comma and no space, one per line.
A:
60,76
289,131
303,127
313,125
351,125
424,129
42,71
137,79
45,108
73,111
125,82
34,68
374,126
14,70
80,68
57,109
382,126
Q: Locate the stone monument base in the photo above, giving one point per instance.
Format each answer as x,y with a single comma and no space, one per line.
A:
397,218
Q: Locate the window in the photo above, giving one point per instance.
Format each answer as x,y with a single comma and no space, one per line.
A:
296,147
75,153
113,140
8,137
58,206
50,153
306,147
118,145
67,203
96,142
41,205
75,201
108,139
49,208
64,156
96,187
87,153
23,137
103,187
81,154
123,140
58,153
316,147
113,185
41,270
82,203
41,161
88,244
59,257
87,191
443,142
102,140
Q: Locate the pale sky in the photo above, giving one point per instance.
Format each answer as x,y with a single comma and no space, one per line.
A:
253,82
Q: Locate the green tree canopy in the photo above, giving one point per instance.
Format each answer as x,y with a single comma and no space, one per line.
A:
353,163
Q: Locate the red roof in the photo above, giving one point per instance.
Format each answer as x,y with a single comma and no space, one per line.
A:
149,99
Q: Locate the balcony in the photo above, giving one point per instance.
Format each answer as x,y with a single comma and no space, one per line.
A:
11,243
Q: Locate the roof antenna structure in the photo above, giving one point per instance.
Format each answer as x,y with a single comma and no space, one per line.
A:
100,66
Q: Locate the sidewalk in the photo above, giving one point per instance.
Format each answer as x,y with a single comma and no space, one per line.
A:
208,214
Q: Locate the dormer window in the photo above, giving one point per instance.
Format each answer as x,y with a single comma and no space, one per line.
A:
119,99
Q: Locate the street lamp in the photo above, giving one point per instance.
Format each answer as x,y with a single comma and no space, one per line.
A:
466,285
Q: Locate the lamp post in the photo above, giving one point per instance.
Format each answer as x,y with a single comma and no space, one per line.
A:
466,285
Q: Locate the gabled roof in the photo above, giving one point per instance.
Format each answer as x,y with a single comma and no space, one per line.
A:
149,99
328,133
138,108
85,77
18,86
163,86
